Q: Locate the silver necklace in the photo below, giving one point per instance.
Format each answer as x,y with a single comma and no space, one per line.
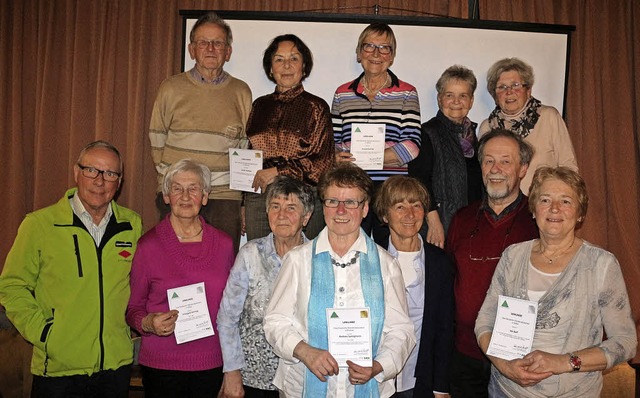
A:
554,258
189,237
348,263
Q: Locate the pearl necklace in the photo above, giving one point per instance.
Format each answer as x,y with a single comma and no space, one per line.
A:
348,263
554,258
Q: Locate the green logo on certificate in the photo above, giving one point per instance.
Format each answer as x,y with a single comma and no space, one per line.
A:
175,295
505,305
334,315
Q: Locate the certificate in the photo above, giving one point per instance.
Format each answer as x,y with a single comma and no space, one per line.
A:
350,335
194,321
367,145
514,328
243,165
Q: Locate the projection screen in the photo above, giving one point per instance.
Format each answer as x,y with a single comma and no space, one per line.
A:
426,47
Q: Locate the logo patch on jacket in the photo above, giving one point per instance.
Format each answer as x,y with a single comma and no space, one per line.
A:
125,254
120,243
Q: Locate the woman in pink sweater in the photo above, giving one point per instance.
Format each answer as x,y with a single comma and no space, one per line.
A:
181,250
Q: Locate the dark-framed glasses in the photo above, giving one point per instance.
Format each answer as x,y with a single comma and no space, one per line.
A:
513,87
348,204
93,173
383,49
179,190
217,44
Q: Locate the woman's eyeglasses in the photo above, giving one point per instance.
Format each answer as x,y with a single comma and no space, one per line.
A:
382,48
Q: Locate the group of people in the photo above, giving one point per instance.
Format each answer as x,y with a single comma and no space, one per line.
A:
423,247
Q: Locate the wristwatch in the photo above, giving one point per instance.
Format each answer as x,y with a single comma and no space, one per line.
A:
575,361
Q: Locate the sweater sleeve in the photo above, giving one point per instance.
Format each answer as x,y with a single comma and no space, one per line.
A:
231,307
615,310
422,167
159,128
410,135
562,146
139,282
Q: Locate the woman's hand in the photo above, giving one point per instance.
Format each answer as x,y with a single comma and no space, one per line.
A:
544,362
391,158
232,385
344,156
160,323
362,374
320,362
263,178
518,370
435,233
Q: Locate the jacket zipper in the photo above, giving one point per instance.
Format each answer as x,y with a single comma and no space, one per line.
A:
78,258
43,339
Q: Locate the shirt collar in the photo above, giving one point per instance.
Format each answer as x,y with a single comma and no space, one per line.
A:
218,80
323,245
485,207
82,213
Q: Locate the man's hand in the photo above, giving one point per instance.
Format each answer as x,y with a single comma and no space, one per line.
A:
263,178
320,362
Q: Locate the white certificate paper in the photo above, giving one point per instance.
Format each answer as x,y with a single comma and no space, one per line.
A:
194,321
367,145
514,328
350,335
243,165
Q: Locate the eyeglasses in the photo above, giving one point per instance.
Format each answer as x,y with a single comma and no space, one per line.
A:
348,204
382,48
513,87
478,246
179,190
93,173
217,44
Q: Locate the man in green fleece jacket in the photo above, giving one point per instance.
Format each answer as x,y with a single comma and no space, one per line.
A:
65,283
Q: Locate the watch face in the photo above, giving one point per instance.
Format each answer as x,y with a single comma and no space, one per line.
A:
575,361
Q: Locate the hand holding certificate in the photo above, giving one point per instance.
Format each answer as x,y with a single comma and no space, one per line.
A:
194,321
514,328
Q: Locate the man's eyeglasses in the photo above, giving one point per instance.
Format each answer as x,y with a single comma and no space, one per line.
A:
348,204
513,87
179,190
93,173
217,44
382,48
478,247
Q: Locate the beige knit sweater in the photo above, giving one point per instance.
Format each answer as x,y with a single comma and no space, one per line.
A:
200,121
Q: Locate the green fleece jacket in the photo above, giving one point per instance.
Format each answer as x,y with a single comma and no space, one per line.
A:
68,296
